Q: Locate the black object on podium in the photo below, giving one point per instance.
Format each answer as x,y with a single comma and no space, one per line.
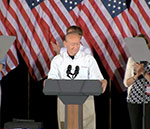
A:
23,124
72,92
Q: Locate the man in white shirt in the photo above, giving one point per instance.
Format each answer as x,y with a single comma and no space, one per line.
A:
88,69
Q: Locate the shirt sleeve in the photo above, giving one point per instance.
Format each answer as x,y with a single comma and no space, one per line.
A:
94,71
53,73
129,72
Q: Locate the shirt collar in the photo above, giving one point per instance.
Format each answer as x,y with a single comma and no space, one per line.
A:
75,57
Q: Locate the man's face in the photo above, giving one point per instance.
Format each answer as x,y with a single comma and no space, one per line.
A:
72,44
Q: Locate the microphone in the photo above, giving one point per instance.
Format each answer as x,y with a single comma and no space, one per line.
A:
69,71
76,72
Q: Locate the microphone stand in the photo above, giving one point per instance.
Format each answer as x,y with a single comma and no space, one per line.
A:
76,72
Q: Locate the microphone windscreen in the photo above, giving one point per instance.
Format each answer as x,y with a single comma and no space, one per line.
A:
69,67
77,69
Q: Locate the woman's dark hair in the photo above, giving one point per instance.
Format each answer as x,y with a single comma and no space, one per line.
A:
143,36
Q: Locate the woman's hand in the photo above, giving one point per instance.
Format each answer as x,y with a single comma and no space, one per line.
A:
139,68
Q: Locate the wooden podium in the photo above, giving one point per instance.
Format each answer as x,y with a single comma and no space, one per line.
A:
73,93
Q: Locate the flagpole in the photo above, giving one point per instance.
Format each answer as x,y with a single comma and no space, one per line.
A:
110,103
28,98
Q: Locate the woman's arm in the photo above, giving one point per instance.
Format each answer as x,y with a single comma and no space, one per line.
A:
128,72
1,67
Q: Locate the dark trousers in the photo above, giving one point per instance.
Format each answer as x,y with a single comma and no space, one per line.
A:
136,115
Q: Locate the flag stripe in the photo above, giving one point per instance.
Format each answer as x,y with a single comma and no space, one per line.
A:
108,37
106,61
18,31
143,9
46,46
12,54
134,20
33,41
58,17
130,24
56,25
103,37
28,29
12,59
139,12
101,50
113,34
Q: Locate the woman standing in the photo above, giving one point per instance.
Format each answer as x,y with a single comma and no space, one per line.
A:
137,79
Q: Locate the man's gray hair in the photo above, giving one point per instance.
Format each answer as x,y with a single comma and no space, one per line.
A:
73,32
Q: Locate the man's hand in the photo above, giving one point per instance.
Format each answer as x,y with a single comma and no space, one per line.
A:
56,47
1,67
104,85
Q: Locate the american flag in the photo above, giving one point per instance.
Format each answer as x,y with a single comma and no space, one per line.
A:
32,41
140,16
105,24
12,59
58,15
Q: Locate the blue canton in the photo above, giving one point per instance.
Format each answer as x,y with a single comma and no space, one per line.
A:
115,7
70,4
33,3
148,3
